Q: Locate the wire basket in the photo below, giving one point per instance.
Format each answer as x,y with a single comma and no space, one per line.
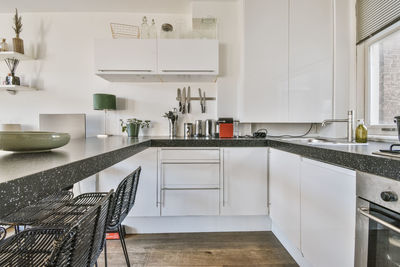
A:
119,31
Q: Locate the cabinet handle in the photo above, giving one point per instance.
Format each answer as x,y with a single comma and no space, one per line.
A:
210,71
189,188
365,212
125,70
223,177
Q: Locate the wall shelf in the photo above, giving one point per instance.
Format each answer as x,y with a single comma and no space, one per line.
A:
13,89
16,55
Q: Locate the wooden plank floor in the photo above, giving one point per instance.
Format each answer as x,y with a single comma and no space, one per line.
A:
201,249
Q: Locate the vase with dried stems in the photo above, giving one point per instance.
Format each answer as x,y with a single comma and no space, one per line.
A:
12,65
18,43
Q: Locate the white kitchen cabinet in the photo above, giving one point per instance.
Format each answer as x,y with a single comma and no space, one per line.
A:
184,56
244,181
311,48
284,182
189,181
194,202
146,196
125,56
263,96
328,206
288,65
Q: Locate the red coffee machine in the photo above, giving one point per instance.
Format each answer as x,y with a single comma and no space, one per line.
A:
225,127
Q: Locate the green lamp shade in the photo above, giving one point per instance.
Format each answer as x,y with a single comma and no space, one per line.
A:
104,102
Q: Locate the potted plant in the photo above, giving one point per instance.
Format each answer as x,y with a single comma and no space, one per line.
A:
132,126
18,43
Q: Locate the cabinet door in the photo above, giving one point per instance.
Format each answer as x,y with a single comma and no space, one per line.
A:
328,205
180,56
244,181
146,196
126,56
263,96
190,202
284,181
189,189
310,60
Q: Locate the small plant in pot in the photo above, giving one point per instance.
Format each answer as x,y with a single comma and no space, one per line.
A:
18,43
132,126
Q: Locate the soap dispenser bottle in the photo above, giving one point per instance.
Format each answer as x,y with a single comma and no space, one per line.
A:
361,132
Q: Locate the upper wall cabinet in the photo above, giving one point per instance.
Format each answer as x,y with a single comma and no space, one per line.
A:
199,57
156,60
310,60
288,65
126,55
264,92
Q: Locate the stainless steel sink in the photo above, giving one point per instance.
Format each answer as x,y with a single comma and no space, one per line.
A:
323,141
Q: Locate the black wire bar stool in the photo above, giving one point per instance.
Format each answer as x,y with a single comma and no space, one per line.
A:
75,244
124,199
37,211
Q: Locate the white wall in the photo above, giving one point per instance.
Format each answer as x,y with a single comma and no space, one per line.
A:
63,43
64,73
229,34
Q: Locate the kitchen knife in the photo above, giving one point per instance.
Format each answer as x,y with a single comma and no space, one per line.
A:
179,98
204,102
184,100
189,108
201,101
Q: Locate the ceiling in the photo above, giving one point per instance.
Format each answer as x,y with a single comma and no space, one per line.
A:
137,6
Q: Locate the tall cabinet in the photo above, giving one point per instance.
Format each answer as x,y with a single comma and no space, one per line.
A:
288,61
264,93
310,60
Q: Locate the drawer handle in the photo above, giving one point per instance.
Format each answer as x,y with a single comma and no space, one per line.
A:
125,70
190,188
209,71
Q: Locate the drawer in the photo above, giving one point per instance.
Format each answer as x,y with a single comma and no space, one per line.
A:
190,202
190,154
190,174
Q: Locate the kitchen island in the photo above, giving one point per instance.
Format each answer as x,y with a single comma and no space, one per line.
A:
26,178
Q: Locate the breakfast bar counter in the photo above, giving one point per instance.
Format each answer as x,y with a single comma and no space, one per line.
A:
28,177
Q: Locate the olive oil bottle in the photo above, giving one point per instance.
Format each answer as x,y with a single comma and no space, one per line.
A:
361,132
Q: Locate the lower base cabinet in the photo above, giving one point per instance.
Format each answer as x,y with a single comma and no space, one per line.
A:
244,181
284,181
328,212
313,205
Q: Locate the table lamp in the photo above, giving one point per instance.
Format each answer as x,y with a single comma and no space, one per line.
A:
104,102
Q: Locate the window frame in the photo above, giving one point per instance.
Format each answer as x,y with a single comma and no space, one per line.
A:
381,129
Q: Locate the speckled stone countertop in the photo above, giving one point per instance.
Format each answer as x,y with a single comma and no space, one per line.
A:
25,178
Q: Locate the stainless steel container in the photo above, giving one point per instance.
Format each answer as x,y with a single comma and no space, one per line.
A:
198,130
210,128
188,130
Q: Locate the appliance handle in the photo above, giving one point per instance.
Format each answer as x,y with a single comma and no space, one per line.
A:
365,212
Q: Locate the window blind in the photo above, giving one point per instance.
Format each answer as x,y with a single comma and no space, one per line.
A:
375,15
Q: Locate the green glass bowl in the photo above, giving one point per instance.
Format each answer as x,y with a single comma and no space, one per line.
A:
31,141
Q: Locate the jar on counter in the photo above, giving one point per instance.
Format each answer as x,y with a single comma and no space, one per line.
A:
3,46
361,132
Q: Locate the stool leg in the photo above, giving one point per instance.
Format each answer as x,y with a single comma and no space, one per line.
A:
105,253
122,239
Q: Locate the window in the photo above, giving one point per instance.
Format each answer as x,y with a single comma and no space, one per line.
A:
383,78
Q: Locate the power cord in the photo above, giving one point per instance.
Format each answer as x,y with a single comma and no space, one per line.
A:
263,133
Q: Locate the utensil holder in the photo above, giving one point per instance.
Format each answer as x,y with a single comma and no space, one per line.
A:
172,128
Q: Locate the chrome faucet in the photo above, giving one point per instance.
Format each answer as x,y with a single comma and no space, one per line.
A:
349,121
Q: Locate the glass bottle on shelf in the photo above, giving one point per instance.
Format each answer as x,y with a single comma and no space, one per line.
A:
144,30
3,46
361,132
153,30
